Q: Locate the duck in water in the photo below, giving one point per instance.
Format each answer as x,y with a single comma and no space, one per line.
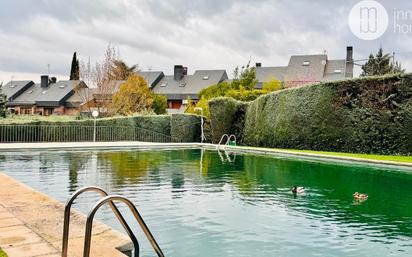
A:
298,190
360,197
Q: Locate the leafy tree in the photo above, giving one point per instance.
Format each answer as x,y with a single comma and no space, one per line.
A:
217,90
241,88
133,96
159,104
273,85
202,103
245,77
380,64
121,71
75,68
103,76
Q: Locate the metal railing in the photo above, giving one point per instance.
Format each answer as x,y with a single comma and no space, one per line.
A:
109,199
228,140
227,137
221,139
71,133
89,222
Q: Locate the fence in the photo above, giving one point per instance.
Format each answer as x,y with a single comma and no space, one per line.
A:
71,133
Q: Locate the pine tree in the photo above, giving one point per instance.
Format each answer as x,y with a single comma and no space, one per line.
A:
75,68
380,64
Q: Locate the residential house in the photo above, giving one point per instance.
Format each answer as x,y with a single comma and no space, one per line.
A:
304,69
152,77
48,97
180,87
15,88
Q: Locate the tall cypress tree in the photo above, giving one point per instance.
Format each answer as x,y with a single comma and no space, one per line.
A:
75,69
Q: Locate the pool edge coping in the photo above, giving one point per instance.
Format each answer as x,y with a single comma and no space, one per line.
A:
173,146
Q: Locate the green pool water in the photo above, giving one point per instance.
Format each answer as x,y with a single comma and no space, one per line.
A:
197,203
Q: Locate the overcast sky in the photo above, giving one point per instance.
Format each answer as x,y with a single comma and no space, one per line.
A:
209,34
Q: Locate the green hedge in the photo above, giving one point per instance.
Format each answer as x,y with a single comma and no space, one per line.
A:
3,101
366,115
227,116
156,128
185,127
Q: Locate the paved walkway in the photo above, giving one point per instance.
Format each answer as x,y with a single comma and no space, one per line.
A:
31,225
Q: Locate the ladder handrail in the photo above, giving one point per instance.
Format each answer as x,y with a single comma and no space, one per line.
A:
109,199
116,211
221,139
228,139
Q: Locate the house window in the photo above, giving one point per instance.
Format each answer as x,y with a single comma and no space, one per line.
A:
48,111
306,63
25,111
205,77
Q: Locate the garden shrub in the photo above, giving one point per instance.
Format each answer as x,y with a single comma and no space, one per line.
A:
185,127
366,115
226,117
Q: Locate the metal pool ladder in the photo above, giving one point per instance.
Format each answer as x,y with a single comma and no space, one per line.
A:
228,140
106,199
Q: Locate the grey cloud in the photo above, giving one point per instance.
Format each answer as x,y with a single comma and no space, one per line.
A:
199,34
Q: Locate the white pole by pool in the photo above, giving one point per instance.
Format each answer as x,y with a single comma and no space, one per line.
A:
201,123
95,114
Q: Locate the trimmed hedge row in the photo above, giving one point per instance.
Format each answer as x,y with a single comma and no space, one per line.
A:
140,128
365,115
185,127
226,117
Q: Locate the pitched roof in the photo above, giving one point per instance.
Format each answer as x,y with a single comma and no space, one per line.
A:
190,85
53,95
151,77
266,74
15,88
306,68
335,70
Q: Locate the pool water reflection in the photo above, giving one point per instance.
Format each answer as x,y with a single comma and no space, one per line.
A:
196,204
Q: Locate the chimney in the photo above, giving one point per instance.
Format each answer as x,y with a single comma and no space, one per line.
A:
258,64
349,54
179,72
44,81
349,62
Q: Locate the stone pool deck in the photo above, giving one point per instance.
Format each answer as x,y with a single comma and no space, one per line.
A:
31,225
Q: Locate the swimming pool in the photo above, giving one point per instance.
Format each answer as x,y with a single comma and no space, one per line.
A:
197,203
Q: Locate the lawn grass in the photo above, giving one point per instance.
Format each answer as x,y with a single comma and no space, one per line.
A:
18,119
2,254
375,157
